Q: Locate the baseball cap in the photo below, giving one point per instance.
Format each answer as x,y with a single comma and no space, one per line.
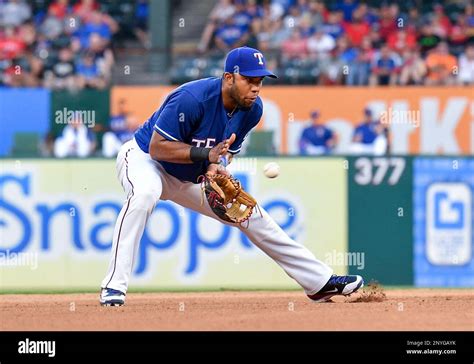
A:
314,113
248,62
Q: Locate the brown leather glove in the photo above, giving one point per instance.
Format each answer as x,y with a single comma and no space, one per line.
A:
227,198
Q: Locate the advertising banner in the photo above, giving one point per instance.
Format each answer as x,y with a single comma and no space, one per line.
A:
421,120
57,219
443,222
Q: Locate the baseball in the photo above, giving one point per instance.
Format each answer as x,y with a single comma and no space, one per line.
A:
271,170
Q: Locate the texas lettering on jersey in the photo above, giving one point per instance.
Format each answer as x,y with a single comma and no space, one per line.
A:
194,114
206,143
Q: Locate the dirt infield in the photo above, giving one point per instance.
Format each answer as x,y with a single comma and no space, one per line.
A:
412,309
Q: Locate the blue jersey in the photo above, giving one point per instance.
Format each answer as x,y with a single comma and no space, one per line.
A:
194,114
118,125
367,132
317,135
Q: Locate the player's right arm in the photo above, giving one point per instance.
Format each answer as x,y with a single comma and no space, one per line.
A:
165,150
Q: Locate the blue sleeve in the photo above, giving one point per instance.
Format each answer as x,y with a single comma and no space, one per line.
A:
303,141
251,121
358,131
176,119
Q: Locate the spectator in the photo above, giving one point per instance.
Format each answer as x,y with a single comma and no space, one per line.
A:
294,47
441,66
370,137
274,33
242,18
52,26
388,20
62,74
306,28
428,39
466,66
459,35
441,21
333,26
121,130
359,68
347,7
375,37
76,140
316,139
84,8
293,19
334,71
357,29
103,56
230,36
317,12
302,5
14,13
385,68
221,11
88,73
320,45
141,23
401,40
413,69
11,45
95,24
367,14
60,8
414,21
25,72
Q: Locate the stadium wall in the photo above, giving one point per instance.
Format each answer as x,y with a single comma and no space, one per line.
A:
58,217
422,120
397,220
23,110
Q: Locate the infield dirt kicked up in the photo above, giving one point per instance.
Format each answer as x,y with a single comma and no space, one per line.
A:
395,310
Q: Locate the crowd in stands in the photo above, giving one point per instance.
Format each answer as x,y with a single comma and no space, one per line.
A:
62,45
349,42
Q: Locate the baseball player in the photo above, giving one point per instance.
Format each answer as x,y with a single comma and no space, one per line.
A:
197,130
316,139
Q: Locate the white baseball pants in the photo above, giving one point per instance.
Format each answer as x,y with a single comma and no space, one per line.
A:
145,181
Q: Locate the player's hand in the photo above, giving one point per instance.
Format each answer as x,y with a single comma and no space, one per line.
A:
215,168
221,149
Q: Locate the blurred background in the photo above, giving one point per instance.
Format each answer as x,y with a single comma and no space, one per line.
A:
374,105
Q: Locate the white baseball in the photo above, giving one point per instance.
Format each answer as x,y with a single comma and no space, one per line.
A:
271,170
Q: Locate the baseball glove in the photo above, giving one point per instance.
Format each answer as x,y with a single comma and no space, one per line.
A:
227,198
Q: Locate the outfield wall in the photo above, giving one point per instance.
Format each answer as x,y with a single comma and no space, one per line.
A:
398,220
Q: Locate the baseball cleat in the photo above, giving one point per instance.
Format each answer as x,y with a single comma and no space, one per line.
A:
111,297
338,285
